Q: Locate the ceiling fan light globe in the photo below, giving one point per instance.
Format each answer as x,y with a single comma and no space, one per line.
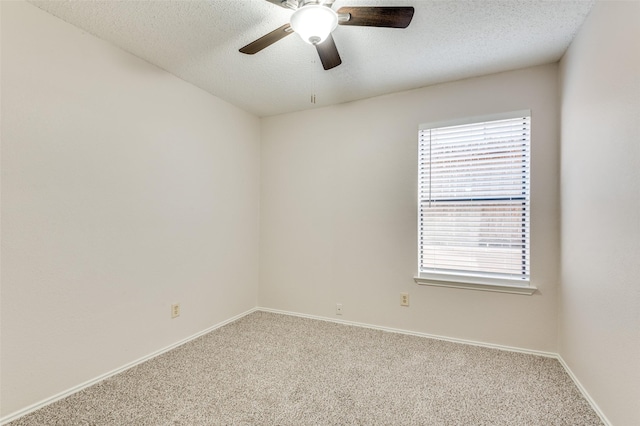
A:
314,23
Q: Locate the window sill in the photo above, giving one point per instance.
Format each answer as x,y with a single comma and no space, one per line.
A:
468,285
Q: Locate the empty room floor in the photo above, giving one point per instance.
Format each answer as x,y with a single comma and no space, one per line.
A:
273,369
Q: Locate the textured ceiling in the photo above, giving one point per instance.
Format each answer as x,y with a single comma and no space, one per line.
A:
198,41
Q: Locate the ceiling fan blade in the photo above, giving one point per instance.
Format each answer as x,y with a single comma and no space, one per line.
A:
267,40
390,17
328,53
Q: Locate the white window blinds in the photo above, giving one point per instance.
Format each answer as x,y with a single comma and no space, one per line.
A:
474,199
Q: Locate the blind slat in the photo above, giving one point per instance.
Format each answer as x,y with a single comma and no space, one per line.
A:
473,193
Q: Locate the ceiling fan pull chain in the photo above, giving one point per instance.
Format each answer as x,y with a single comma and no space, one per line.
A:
313,79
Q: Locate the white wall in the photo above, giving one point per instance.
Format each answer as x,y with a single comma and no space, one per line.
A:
600,295
338,212
124,189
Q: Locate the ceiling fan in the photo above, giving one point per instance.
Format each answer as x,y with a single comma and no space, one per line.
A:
314,20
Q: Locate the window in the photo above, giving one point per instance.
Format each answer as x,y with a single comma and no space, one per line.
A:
473,203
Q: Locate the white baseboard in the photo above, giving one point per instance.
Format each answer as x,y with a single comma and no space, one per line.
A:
583,391
13,416
64,394
573,377
415,333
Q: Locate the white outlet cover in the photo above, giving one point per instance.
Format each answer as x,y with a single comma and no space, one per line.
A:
175,310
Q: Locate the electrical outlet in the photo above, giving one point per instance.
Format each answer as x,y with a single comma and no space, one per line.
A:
404,299
175,310
338,308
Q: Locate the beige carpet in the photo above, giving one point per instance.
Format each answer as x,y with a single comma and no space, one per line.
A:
269,369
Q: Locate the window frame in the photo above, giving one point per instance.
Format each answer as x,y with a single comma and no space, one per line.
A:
470,280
